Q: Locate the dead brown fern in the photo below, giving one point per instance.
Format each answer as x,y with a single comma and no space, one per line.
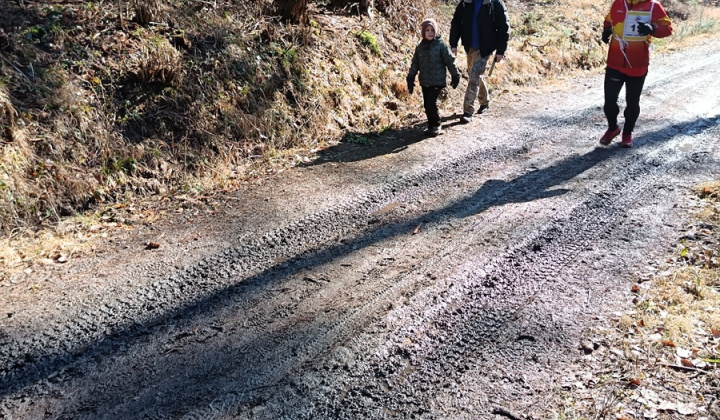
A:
159,62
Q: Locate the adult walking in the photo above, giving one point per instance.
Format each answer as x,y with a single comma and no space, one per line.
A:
482,27
629,28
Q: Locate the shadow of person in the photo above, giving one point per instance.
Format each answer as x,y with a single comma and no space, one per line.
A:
355,146
533,185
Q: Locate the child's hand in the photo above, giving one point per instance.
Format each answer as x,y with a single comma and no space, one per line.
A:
411,84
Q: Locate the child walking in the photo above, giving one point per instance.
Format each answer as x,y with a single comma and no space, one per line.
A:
431,58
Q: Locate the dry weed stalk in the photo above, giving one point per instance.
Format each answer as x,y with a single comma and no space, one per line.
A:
17,194
146,11
7,114
406,14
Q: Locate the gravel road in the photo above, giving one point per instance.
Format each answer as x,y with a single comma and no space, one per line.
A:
450,277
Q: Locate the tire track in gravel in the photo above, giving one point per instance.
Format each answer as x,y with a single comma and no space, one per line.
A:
253,262
248,271
205,270
649,169
306,240
486,315
595,227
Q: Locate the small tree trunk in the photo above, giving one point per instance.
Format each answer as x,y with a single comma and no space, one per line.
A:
295,11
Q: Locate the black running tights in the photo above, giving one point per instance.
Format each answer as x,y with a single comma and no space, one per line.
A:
614,81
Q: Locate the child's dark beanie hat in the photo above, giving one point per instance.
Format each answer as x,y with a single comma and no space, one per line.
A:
429,22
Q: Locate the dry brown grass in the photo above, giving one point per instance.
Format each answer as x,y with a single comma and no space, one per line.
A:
406,14
550,41
666,351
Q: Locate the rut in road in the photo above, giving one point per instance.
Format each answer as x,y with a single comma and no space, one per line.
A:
259,329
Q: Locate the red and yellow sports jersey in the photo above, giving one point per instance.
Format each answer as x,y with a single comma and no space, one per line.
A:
629,51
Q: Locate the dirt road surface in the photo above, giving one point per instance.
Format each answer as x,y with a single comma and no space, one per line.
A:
449,277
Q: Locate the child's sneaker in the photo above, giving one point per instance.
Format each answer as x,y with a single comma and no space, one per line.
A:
626,140
466,118
433,131
609,135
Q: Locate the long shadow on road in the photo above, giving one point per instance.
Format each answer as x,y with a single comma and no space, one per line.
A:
356,146
527,187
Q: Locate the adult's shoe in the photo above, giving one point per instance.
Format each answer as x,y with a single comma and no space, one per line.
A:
466,118
609,135
626,140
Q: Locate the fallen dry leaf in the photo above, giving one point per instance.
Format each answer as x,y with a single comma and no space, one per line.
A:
716,332
686,362
152,245
668,343
417,229
635,288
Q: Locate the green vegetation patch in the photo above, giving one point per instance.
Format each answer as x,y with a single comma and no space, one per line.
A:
369,40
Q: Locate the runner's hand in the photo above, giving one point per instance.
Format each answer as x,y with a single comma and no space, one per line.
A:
645,28
607,32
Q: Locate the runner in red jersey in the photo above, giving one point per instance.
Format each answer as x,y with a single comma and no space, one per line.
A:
629,28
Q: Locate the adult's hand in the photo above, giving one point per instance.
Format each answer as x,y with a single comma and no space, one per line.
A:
455,81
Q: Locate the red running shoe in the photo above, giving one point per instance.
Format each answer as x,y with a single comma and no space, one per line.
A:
626,140
609,135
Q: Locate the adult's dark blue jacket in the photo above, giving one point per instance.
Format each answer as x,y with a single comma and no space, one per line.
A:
492,21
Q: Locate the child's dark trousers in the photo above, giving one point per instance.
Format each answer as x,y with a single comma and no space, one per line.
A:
430,97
